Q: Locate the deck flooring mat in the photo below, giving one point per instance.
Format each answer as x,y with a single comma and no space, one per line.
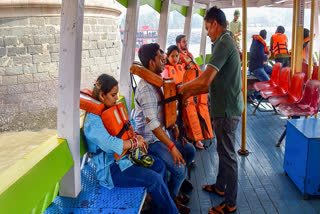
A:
263,186
94,198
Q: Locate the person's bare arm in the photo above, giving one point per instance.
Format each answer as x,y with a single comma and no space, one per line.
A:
237,34
163,137
199,85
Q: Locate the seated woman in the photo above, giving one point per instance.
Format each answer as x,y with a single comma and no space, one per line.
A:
122,173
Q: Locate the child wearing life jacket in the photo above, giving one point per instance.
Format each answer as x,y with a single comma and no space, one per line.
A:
122,173
175,70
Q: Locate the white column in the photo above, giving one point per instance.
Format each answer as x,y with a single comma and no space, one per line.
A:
68,89
164,23
187,24
128,50
203,43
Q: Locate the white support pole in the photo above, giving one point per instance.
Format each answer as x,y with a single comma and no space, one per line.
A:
128,50
203,43
68,90
187,24
164,23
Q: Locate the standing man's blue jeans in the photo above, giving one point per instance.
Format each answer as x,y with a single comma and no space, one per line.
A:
178,174
152,178
263,73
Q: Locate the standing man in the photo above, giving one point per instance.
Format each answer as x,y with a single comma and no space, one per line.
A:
235,27
279,47
222,78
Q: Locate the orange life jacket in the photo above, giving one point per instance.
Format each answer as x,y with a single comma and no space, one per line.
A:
138,69
115,118
305,43
204,116
176,72
170,106
196,117
260,39
187,59
191,122
280,44
168,97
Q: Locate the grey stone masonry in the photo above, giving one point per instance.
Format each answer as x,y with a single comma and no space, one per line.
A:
41,58
14,51
35,49
10,40
3,52
25,78
29,63
1,42
13,70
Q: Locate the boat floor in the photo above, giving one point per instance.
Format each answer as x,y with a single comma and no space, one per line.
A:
263,186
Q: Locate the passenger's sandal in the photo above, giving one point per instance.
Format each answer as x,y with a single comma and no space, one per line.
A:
212,188
222,209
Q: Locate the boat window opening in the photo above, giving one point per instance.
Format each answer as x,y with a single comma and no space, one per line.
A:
195,36
175,27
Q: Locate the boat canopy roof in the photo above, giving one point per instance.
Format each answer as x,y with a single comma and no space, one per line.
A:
203,4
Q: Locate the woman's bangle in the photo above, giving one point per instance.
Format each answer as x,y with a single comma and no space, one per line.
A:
131,145
134,144
171,146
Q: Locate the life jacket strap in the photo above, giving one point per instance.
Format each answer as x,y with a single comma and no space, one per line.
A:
203,125
190,65
168,100
305,44
84,93
125,128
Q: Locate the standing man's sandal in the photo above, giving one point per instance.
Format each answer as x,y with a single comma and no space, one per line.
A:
222,209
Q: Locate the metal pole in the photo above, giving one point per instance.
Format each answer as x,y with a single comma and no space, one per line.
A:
299,37
243,150
317,36
294,32
311,37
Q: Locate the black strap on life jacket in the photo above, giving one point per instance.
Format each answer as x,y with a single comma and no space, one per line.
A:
182,131
305,44
195,101
82,92
180,126
168,100
162,100
125,128
279,47
133,83
204,129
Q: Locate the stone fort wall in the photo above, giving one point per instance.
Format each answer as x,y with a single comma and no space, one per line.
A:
29,59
